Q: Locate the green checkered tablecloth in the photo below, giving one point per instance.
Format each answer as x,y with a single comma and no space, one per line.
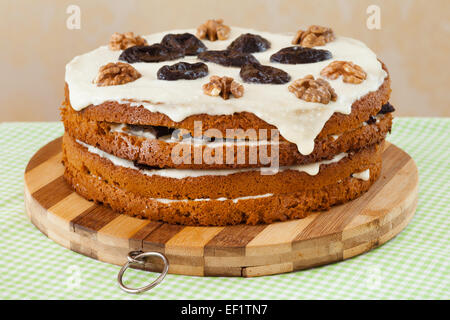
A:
414,265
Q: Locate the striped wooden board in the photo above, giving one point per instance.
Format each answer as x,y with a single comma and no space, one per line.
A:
340,233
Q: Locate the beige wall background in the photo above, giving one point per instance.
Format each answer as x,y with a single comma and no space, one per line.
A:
36,44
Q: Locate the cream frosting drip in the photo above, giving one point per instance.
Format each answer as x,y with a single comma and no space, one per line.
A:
297,120
311,168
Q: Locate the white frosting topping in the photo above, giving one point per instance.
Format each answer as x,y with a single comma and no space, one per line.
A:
297,120
311,168
363,175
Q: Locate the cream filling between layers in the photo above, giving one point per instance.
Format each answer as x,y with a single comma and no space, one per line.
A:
148,134
311,168
363,175
235,200
297,120
173,138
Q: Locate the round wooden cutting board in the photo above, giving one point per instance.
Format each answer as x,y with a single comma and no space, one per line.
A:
340,233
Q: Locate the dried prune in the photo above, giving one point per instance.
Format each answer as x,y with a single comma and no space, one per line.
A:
154,53
183,70
297,55
249,43
227,58
386,108
257,73
191,45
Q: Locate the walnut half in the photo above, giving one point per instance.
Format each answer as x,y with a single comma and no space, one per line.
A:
213,30
223,86
350,72
312,90
313,36
113,74
122,41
